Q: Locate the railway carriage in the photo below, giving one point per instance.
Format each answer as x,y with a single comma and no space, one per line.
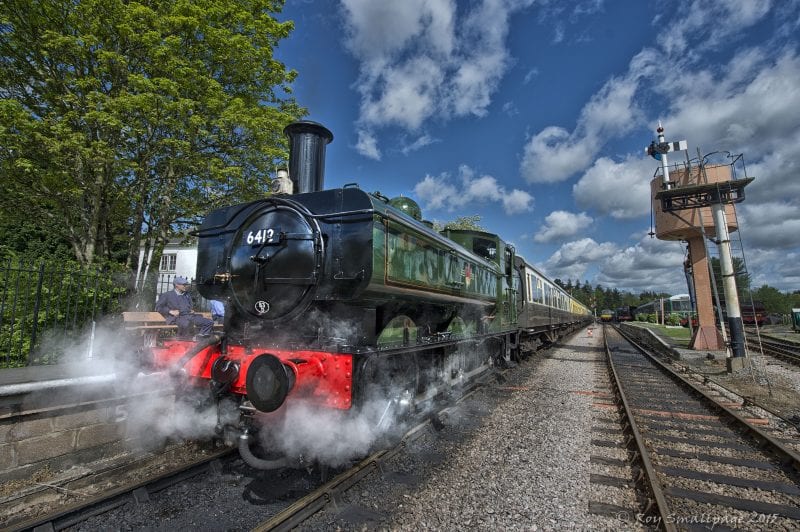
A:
545,306
679,305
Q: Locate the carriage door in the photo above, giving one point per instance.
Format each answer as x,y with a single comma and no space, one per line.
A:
512,284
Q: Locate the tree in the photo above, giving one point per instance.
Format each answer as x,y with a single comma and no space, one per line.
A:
468,223
600,297
774,301
739,273
125,121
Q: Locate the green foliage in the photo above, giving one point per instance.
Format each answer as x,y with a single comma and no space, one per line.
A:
673,318
469,223
774,301
56,299
26,240
118,118
739,271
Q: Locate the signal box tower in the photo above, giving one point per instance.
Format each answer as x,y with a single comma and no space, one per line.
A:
691,203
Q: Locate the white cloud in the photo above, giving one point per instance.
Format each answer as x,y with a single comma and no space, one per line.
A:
425,58
651,264
367,145
419,143
572,260
745,101
769,225
517,201
554,154
777,268
532,73
752,103
409,95
437,192
510,109
562,224
377,30
701,24
621,190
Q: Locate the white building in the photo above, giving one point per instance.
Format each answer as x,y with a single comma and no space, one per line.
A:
178,259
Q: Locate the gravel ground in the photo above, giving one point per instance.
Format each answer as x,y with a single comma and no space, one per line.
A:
513,456
768,381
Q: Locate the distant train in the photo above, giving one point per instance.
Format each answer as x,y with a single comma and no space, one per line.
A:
754,314
680,305
606,315
622,314
334,297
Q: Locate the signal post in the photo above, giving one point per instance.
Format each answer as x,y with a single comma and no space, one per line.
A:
691,203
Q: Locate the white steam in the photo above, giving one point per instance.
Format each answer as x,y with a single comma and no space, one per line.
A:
155,407
327,436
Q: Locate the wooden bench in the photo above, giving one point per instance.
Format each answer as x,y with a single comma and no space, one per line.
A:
152,324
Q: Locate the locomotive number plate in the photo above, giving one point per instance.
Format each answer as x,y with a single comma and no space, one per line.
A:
262,237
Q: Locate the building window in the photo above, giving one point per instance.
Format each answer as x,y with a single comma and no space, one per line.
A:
168,262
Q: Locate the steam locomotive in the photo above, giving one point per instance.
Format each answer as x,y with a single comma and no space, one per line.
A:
336,296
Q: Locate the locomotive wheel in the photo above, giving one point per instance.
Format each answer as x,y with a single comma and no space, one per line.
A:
457,327
400,330
454,374
389,389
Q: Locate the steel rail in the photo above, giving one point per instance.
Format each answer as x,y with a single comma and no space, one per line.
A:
98,504
649,471
746,400
304,508
786,455
71,515
780,350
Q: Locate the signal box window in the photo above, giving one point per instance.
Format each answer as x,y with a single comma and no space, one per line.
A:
485,248
168,262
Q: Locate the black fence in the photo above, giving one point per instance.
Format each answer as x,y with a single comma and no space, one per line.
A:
49,312
46,307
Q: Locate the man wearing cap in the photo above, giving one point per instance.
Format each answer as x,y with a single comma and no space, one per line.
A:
176,307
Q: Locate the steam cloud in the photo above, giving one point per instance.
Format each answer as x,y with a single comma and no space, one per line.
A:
160,408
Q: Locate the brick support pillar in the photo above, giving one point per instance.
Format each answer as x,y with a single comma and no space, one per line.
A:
706,336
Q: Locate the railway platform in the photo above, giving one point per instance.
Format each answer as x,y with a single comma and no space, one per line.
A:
30,378
54,418
672,345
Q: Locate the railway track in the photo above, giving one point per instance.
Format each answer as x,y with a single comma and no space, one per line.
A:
289,498
85,507
785,351
702,463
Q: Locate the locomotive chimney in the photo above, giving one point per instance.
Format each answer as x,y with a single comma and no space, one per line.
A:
307,141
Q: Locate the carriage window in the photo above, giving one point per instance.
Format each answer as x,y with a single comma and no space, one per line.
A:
538,296
529,287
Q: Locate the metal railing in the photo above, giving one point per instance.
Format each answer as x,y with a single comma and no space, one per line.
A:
44,306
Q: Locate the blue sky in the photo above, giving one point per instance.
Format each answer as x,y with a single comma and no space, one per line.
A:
535,115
